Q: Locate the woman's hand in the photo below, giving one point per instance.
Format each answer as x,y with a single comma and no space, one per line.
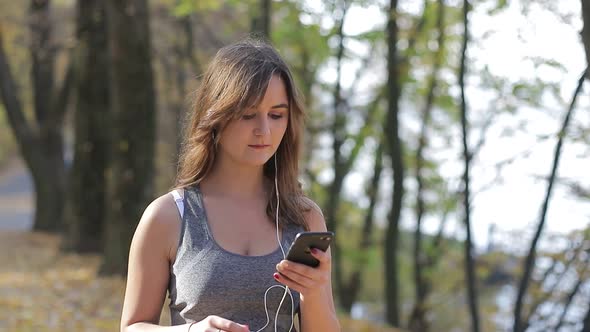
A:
306,280
216,323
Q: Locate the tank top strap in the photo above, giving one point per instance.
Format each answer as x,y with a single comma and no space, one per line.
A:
178,195
193,231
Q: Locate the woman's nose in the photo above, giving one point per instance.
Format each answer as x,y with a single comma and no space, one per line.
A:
262,127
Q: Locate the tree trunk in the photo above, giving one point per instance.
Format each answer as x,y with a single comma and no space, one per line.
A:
394,148
42,57
49,178
354,284
194,67
85,209
307,74
529,264
186,62
40,144
586,327
418,321
338,135
347,290
131,171
585,33
469,259
586,41
261,21
419,259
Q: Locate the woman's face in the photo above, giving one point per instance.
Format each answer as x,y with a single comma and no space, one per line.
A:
254,138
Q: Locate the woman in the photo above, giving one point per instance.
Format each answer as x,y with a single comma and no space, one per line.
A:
212,242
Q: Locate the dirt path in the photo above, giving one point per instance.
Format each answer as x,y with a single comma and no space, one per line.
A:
16,198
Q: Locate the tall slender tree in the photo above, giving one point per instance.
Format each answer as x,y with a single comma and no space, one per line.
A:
188,62
586,327
179,64
85,208
261,21
338,131
586,42
343,162
585,33
467,154
132,128
529,263
394,149
418,320
352,288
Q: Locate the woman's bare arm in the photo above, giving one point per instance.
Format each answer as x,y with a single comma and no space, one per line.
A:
313,284
317,311
152,249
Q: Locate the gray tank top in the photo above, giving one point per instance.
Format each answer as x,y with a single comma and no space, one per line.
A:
206,279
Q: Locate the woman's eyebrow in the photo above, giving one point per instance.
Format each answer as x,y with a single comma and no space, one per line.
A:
280,106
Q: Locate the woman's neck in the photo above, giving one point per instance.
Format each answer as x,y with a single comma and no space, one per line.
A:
235,180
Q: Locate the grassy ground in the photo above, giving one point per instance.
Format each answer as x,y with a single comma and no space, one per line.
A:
42,289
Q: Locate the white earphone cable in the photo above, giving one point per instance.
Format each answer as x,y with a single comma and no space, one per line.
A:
287,290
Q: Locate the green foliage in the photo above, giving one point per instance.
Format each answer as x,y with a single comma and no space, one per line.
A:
533,92
498,6
304,46
372,36
187,7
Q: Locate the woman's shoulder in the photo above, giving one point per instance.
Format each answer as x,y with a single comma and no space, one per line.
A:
161,221
313,215
162,210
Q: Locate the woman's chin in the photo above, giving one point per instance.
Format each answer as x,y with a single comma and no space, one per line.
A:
257,159
256,162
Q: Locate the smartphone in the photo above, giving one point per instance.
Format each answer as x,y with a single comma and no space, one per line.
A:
300,250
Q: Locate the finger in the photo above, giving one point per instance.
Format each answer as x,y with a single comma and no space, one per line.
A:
302,280
303,270
285,280
227,325
322,256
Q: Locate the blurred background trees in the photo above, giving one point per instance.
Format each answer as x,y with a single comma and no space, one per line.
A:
405,116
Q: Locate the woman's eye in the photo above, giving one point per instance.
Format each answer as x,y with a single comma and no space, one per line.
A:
248,116
276,116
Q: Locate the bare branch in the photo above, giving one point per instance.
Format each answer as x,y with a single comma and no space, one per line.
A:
529,263
557,282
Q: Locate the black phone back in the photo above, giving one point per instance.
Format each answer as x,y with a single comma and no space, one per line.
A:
300,250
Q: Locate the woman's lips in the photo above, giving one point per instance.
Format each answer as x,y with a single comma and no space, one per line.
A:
259,146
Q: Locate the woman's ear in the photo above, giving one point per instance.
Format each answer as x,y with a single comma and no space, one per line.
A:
215,137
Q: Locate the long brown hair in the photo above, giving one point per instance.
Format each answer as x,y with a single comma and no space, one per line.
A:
236,79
